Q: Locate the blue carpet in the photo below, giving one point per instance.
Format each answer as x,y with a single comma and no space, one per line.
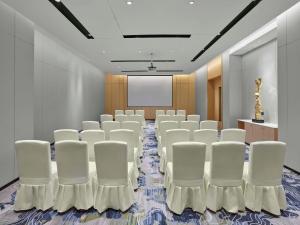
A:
150,207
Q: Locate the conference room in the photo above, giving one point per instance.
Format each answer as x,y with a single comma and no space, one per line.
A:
149,112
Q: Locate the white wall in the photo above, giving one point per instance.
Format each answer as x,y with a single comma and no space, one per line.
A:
260,63
16,87
289,83
201,92
68,89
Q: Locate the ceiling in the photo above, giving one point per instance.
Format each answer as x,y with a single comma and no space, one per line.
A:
109,20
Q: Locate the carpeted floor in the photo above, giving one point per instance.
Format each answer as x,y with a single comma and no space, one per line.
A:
150,207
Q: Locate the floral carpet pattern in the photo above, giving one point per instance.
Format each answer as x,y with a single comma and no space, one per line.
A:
150,207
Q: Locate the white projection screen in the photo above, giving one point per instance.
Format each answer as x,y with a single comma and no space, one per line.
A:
150,90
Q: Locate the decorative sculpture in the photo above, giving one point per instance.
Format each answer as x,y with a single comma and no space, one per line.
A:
258,106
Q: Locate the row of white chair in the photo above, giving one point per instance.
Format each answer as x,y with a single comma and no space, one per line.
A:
170,112
130,112
226,181
73,181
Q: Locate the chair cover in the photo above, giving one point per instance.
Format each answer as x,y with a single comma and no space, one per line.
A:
180,118
263,188
75,178
224,177
170,112
129,112
209,124
65,135
107,126
158,113
137,118
91,137
106,117
163,127
119,112
130,138
141,112
90,125
171,137
120,118
233,135
208,137
162,118
187,189
38,177
191,126
193,118
113,188
135,126
181,112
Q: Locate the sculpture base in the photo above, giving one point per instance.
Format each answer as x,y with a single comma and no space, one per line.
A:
258,121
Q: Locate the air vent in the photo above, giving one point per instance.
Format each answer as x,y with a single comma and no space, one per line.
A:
68,14
229,26
157,60
158,36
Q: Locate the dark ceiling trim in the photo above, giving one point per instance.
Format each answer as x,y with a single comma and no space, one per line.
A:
146,60
175,71
228,27
158,36
68,14
134,71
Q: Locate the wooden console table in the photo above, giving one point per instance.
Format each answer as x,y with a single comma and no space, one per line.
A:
258,131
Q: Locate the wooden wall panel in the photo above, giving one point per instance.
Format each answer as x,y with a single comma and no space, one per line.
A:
183,95
214,68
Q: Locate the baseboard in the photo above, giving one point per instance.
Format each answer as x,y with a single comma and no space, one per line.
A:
10,183
295,171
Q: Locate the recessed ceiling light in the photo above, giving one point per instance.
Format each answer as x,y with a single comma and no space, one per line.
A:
191,2
140,52
103,51
129,2
57,0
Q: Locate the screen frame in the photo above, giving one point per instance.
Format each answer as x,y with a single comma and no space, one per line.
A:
149,75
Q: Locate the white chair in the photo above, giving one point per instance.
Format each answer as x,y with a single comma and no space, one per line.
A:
163,127
172,136
66,135
137,118
208,137
107,126
129,137
119,112
38,177
129,112
120,118
233,135
263,188
179,118
224,177
106,117
187,189
181,112
113,188
190,125
193,118
162,118
135,126
209,124
91,137
74,176
90,125
141,112
170,112
159,112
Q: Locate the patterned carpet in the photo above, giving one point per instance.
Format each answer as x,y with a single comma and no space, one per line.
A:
150,207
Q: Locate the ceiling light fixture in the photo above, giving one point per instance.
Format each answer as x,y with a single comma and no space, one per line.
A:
129,2
57,0
191,2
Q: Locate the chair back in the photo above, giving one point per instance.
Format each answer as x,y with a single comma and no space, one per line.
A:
90,125
106,117
132,125
266,162
209,124
107,126
193,118
181,112
127,136
208,137
233,135
136,118
33,161
111,163
180,118
72,162
173,136
188,163
159,112
120,118
119,112
227,163
170,112
66,135
129,112
189,125
140,112
91,137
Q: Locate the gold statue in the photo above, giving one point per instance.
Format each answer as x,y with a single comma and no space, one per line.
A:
258,105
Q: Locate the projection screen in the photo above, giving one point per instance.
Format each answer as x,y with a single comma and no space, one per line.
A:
150,90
